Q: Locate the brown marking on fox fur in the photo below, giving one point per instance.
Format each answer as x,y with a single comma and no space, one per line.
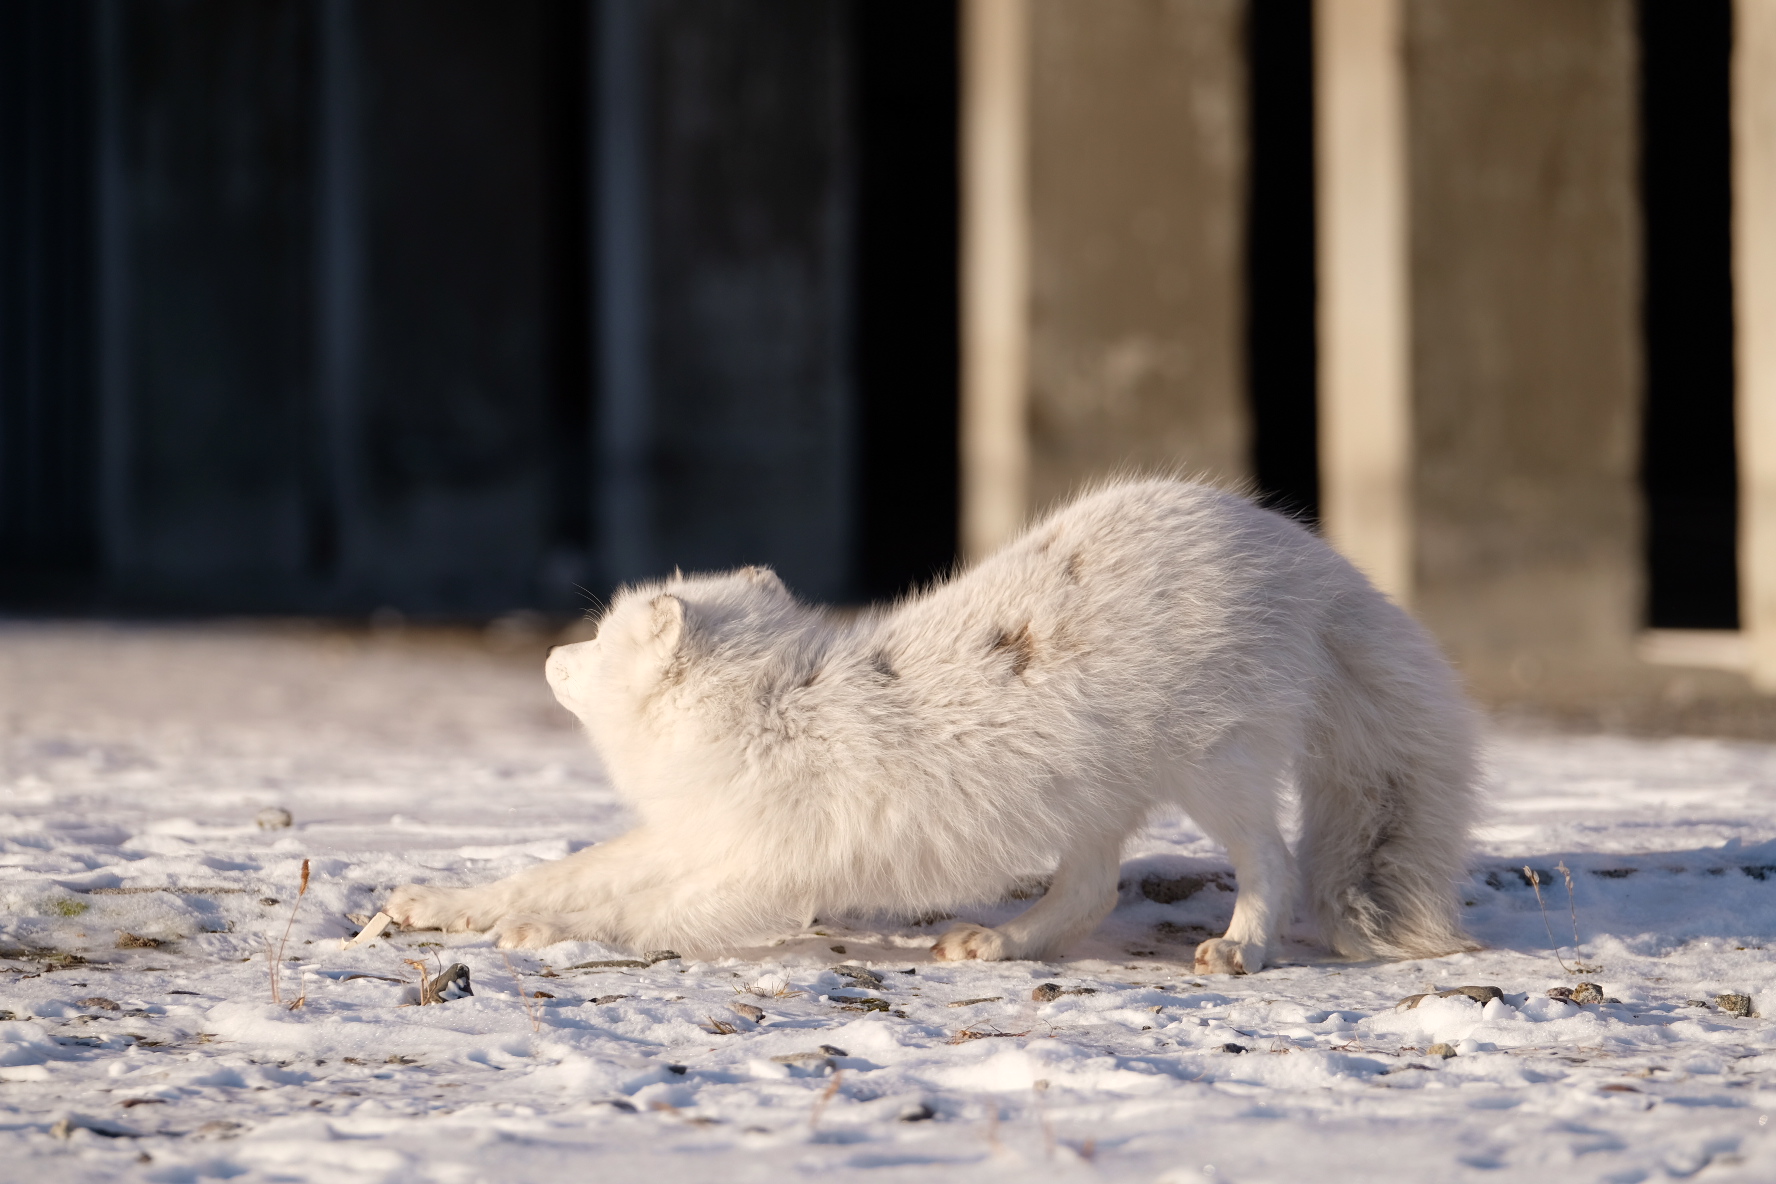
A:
1074,564
1021,644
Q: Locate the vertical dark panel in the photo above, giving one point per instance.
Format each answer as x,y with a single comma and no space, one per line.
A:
567,294
750,285
456,405
219,213
1688,465
47,526
1281,345
907,316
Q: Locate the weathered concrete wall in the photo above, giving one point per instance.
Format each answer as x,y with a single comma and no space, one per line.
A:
1137,181
1525,341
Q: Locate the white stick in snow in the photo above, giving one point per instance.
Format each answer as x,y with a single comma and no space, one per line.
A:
371,931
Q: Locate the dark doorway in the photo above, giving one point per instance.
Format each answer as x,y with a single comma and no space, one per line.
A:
1688,469
905,96
1281,343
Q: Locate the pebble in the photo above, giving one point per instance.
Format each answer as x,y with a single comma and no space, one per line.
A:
1233,1048
98,1001
273,818
1048,992
747,1010
1587,993
1441,1050
918,1112
1739,1005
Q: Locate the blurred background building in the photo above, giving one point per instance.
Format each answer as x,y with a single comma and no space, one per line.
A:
458,307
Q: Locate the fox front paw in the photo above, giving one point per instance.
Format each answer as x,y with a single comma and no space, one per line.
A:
529,932
965,941
1218,955
422,906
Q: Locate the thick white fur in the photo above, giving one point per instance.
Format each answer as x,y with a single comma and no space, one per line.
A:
1156,644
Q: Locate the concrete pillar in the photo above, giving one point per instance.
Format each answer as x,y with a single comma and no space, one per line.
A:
1525,341
1105,183
1754,280
1365,412
995,272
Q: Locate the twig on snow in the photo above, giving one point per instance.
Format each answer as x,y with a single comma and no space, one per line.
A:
536,1025
277,994
824,1098
1535,882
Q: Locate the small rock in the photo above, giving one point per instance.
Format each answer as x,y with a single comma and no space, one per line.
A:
972,1002
98,1001
1233,1048
1170,889
859,975
836,949
1739,1005
608,999
866,1003
452,984
1696,1003
810,1062
653,956
1441,1050
833,1050
272,818
6,1015
1586,993
1480,995
135,941
748,1011
1564,994
918,1112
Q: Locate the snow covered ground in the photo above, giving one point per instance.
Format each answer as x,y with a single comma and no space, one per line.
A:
139,1040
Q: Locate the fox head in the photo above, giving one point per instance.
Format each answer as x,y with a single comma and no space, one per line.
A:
652,679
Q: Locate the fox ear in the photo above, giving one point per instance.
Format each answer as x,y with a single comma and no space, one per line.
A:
669,622
764,577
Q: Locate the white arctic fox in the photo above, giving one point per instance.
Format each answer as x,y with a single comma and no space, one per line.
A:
1156,644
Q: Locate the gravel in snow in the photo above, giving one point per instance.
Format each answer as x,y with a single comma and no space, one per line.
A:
144,871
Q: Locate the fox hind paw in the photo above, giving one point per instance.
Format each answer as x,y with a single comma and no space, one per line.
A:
1219,955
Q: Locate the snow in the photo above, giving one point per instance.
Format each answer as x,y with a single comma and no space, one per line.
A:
135,760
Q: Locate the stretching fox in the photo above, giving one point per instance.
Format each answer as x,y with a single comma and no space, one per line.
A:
1156,644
